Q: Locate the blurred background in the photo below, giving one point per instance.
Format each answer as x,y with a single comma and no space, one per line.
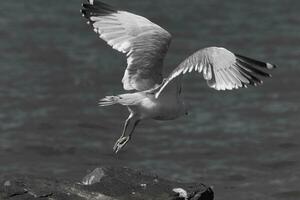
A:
54,68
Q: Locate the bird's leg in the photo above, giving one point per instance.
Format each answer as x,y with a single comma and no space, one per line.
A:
122,137
126,126
123,140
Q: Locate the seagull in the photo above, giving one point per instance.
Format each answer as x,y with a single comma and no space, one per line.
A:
151,96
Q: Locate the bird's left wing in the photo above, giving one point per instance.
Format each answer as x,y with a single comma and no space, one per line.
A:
222,69
144,43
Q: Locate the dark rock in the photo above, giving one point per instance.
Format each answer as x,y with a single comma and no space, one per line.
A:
106,183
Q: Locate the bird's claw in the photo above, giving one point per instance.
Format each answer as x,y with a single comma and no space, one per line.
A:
121,142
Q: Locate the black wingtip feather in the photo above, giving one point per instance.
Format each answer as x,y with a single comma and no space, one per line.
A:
85,13
252,61
96,9
100,5
252,69
253,80
271,66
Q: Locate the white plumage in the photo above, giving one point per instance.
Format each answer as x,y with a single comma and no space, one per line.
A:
145,45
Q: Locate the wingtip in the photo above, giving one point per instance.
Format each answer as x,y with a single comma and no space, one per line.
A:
270,66
270,75
255,62
83,12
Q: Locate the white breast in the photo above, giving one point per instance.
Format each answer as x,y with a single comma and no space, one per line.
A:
166,107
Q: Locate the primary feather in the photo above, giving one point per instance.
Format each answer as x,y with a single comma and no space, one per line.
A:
144,43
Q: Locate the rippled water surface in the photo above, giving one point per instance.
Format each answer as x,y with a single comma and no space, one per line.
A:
53,69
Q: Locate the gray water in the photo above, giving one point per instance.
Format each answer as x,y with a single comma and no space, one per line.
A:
53,70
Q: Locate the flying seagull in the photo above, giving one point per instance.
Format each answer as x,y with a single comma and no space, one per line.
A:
145,45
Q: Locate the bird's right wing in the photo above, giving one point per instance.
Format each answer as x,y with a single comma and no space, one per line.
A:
144,43
222,69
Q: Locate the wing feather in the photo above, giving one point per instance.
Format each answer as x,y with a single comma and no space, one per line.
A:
144,43
222,69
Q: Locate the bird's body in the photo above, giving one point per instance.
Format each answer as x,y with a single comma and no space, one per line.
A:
145,105
145,45
152,108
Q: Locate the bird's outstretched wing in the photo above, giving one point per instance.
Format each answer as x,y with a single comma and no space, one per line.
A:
144,42
222,69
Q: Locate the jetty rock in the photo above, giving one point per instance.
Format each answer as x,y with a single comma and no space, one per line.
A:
103,183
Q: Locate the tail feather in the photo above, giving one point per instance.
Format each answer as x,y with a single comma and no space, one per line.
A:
123,99
108,101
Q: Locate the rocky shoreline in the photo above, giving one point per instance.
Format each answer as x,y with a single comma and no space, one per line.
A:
103,183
